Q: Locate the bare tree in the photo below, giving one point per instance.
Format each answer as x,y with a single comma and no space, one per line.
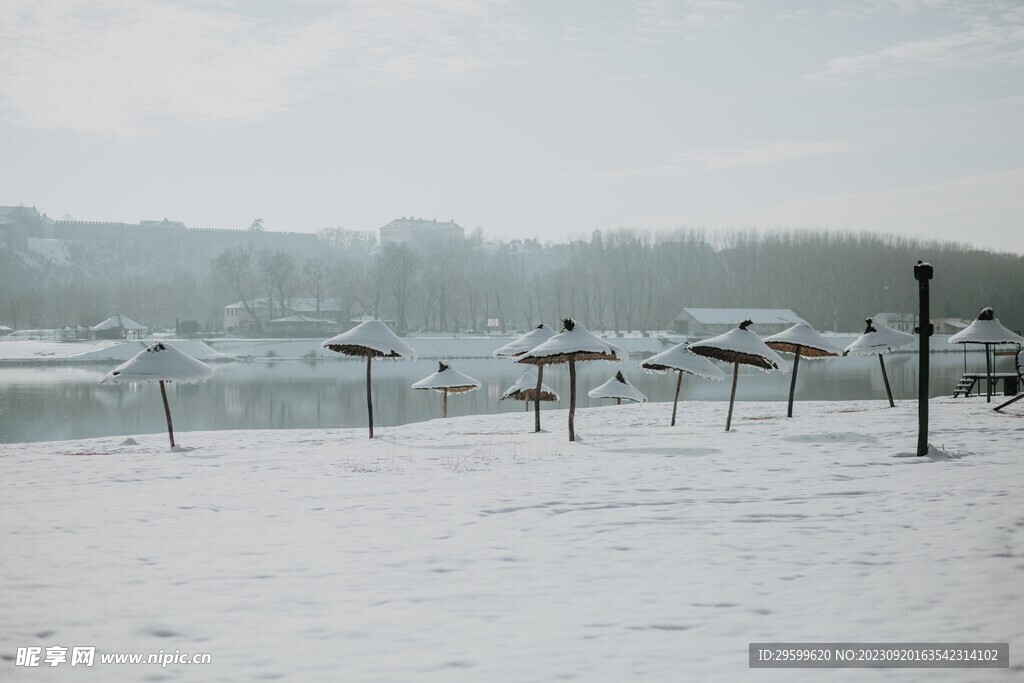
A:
234,267
398,266
354,284
320,279
15,302
277,272
441,275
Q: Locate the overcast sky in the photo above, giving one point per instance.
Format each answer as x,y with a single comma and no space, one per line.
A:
531,119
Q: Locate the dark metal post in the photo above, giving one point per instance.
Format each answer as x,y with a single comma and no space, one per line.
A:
923,274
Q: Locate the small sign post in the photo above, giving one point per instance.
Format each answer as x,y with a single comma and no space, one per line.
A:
923,274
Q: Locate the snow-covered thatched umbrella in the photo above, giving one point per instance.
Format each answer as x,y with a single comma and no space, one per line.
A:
518,347
525,390
619,388
574,343
877,340
161,363
680,359
372,339
447,380
800,340
736,346
989,331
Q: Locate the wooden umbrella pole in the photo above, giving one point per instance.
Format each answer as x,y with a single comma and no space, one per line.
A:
732,395
369,401
792,381
536,403
885,378
618,401
444,409
988,373
675,402
572,399
167,412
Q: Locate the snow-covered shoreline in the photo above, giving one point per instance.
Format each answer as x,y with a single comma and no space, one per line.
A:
472,549
428,346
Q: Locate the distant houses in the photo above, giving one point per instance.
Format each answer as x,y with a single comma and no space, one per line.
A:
298,316
907,322
707,322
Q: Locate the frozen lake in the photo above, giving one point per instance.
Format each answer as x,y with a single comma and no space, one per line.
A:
67,402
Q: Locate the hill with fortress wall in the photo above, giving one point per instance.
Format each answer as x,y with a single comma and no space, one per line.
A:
91,247
67,272
179,242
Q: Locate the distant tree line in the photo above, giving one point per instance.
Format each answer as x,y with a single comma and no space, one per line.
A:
617,281
635,280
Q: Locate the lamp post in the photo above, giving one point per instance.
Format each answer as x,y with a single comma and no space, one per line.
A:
923,274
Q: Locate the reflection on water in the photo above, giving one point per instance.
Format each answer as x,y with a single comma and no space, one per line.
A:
67,402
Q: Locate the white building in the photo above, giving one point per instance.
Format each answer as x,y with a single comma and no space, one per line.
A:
707,322
421,234
238,319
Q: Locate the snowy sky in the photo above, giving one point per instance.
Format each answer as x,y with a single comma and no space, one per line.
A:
532,118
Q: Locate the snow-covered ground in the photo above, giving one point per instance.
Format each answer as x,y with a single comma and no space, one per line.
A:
472,549
30,350
22,350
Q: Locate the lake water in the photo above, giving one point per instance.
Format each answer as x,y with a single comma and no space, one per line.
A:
67,402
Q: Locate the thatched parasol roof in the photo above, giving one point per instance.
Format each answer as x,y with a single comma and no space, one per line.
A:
525,389
679,357
878,339
371,338
812,344
986,330
574,342
618,387
743,345
119,322
447,379
530,340
160,362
